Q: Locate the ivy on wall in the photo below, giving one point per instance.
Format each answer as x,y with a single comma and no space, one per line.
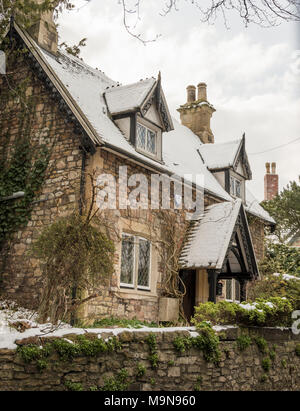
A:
23,163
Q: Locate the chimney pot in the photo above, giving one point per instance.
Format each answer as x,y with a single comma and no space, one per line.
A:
271,182
191,94
202,91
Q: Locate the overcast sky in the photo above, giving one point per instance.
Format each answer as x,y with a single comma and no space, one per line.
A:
252,73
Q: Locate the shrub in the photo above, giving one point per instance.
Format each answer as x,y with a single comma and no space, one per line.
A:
274,311
75,255
261,344
266,364
275,286
297,350
243,342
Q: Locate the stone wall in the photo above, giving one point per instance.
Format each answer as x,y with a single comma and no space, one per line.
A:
59,193
257,234
187,371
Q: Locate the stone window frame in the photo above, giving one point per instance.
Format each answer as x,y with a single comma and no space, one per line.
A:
234,283
135,285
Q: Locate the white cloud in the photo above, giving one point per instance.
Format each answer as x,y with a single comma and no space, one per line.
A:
252,77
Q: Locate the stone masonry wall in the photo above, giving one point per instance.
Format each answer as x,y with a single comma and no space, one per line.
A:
20,279
188,371
257,234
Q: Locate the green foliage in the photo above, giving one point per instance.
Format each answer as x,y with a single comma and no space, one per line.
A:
30,353
120,322
280,258
73,386
243,342
74,253
141,370
272,355
27,12
182,344
261,344
23,169
42,364
170,363
284,363
152,381
275,286
264,378
207,341
118,383
285,209
274,311
152,344
197,386
266,364
297,350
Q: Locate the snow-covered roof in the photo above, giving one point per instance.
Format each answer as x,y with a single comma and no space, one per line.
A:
209,237
122,99
87,87
253,207
220,155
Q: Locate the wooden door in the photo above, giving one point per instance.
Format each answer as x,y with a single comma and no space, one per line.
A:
189,300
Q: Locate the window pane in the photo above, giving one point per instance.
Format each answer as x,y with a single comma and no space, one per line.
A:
151,140
237,290
228,289
141,136
238,188
127,260
232,190
144,263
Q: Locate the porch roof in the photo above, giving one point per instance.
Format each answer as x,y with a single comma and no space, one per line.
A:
209,238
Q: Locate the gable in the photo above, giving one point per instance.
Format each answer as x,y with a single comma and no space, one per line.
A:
219,238
153,116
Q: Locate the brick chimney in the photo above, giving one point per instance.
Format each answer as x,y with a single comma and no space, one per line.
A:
44,30
271,182
196,113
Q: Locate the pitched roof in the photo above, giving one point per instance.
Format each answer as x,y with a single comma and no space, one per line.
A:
220,155
83,89
209,237
223,155
253,207
122,99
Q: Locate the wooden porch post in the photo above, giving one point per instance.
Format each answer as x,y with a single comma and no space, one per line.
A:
243,284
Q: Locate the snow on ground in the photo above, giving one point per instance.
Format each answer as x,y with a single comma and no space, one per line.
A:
287,276
11,314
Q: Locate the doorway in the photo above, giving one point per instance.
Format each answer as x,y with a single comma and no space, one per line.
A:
189,300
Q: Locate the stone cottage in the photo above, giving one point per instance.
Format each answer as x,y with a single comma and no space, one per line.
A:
95,126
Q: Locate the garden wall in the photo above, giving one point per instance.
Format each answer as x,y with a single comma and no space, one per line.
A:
139,360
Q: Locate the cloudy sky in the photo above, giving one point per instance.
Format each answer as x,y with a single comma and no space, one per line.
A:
252,73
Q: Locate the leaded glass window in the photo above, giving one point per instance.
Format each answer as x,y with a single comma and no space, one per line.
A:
127,260
228,289
146,139
144,263
135,262
235,187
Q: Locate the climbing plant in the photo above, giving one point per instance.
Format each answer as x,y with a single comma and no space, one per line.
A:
23,163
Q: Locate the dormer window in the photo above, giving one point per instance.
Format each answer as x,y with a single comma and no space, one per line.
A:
235,187
146,139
